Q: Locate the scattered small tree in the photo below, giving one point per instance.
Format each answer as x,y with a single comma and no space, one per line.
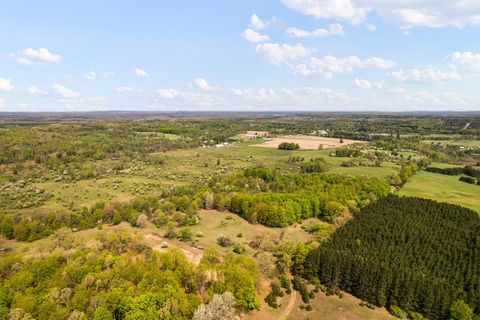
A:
142,221
185,234
224,241
460,310
221,307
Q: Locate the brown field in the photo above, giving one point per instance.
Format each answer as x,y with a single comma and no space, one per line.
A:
308,142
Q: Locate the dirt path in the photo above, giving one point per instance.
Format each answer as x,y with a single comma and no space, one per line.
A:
193,254
289,308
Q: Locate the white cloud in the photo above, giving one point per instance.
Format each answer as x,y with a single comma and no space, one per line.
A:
90,75
328,66
6,85
333,29
203,85
253,36
140,73
257,23
2,103
35,91
406,14
427,75
277,53
365,84
465,61
64,92
168,93
189,99
371,27
40,56
124,89
375,62
326,9
235,91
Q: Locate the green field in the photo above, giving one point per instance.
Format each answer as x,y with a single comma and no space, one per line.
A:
463,143
442,188
196,165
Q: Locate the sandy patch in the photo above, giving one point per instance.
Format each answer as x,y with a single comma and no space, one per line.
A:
193,254
308,142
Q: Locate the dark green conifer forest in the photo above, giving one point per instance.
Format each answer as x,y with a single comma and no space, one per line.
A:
417,254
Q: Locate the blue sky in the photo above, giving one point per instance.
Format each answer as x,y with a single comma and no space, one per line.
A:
248,55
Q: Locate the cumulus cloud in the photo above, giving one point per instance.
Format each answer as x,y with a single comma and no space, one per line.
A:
6,85
406,14
465,61
41,56
365,84
179,98
253,36
140,73
35,91
64,92
277,53
257,23
427,75
168,93
328,66
333,29
327,9
203,85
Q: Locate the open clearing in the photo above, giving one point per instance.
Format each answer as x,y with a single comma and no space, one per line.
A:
442,188
308,142
334,308
323,308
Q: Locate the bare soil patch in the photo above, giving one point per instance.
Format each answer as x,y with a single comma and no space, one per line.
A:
193,254
308,142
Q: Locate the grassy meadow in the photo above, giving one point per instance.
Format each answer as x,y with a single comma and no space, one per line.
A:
442,188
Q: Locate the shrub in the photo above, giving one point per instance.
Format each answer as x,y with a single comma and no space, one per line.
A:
288,146
468,180
239,249
185,234
397,312
271,300
117,218
224,241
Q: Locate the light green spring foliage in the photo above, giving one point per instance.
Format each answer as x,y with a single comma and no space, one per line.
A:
121,280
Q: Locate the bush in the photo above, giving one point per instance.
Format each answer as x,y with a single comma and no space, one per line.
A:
239,249
285,282
288,146
316,165
224,241
468,180
461,311
271,300
185,234
117,218
276,290
397,312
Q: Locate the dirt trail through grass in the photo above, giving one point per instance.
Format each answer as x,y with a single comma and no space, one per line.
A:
289,308
193,255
